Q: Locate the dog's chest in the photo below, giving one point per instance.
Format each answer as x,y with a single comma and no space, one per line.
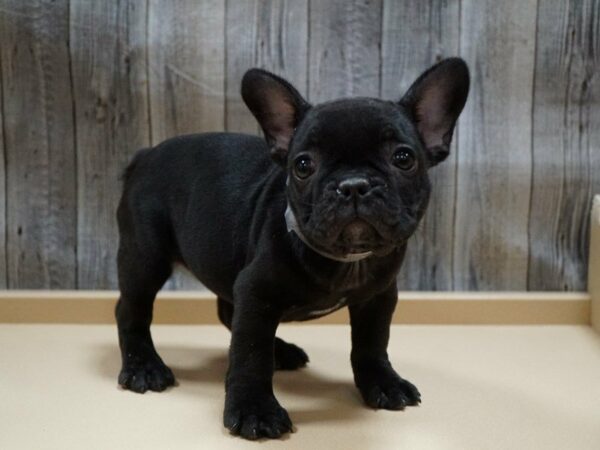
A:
314,309
337,290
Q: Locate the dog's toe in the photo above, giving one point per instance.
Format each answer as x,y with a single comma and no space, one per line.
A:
151,375
389,391
257,420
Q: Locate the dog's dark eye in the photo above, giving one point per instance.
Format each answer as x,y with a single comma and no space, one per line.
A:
304,167
404,159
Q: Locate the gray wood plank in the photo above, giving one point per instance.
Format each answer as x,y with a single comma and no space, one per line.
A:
521,176
241,43
268,34
3,278
417,34
494,140
187,66
108,47
566,142
282,40
344,48
186,48
40,154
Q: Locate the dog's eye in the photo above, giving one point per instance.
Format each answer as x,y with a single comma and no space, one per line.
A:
404,159
304,167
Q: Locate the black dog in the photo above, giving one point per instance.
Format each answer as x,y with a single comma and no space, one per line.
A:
324,227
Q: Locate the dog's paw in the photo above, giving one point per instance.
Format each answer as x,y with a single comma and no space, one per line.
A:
257,419
394,396
143,374
289,356
385,389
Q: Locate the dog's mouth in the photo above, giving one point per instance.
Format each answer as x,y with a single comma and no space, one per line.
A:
358,236
357,230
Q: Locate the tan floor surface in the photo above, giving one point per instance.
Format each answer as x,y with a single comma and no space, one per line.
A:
484,387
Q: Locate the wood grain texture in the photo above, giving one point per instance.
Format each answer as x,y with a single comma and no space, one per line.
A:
269,34
240,47
566,142
494,140
417,34
344,49
186,48
83,85
111,108
40,154
3,277
594,264
187,67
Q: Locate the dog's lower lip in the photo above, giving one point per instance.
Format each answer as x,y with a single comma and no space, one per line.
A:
358,233
357,247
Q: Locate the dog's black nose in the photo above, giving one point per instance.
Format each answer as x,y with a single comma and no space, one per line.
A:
354,186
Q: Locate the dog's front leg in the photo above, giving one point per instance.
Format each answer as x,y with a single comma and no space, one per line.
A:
251,409
377,381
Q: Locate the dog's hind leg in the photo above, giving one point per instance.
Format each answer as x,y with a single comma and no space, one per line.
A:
225,312
143,269
287,356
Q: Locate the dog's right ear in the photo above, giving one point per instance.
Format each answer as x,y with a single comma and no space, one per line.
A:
277,106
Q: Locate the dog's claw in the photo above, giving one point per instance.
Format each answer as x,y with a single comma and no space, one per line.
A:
387,390
258,420
144,375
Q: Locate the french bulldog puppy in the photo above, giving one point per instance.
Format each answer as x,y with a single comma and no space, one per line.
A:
310,219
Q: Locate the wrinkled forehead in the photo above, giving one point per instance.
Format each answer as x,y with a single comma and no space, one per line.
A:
353,123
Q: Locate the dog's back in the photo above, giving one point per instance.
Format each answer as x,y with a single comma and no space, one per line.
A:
221,174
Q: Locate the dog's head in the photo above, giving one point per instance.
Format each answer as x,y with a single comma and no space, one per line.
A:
357,168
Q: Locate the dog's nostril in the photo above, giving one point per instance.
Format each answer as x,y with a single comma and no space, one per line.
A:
354,186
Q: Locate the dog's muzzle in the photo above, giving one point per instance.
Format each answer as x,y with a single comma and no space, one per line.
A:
292,226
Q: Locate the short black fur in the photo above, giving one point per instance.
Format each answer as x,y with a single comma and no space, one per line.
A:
353,173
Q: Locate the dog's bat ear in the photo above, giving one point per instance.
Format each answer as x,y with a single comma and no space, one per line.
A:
277,106
435,100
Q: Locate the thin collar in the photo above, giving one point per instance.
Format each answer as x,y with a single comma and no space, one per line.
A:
292,225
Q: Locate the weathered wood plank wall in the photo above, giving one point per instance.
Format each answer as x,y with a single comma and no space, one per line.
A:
566,142
84,84
2,196
111,115
494,145
417,34
39,148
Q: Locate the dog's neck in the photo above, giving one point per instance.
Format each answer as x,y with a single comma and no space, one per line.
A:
292,226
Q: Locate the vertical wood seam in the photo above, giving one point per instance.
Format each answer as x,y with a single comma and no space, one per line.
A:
380,69
308,46
4,161
307,55
224,71
570,47
256,60
225,60
224,67
75,150
147,56
532,143
456,162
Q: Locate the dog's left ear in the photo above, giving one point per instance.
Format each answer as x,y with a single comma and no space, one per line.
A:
277,106
435,100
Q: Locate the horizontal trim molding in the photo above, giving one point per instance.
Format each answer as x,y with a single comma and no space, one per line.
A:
199,307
